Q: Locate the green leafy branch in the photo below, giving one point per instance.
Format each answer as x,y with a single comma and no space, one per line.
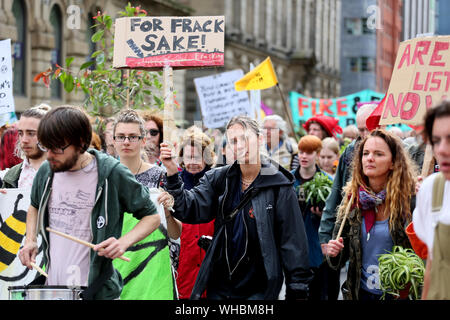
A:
107,90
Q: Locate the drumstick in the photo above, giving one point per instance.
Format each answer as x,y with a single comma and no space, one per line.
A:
39,269
85,243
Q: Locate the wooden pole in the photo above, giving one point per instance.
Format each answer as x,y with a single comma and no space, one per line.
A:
428,161
169,127
347,210
128,88
286,110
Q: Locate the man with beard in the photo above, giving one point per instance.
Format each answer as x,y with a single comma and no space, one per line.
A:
83,193
22,174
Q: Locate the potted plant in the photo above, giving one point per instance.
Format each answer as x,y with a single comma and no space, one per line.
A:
401,273
318,189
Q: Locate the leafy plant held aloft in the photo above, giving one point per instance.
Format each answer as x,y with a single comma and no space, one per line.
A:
398,270
318,189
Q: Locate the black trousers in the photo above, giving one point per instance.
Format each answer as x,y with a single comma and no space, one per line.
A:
325,283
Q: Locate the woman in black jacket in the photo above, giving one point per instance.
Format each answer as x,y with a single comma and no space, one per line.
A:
254,241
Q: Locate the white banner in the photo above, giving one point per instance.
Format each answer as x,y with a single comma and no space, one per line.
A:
6,80
219,101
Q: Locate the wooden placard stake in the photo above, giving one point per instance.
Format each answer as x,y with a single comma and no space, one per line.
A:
169,127
428,162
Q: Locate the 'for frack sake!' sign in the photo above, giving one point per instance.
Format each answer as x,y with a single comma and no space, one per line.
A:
420,80
179,42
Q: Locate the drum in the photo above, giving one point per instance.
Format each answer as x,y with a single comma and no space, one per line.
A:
40,292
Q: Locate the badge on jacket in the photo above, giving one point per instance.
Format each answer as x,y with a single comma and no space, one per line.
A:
100,222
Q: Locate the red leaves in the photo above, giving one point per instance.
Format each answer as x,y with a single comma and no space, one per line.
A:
45,75
139,11
98,15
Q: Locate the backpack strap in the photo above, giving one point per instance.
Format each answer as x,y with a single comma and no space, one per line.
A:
438,192
247,197
289,147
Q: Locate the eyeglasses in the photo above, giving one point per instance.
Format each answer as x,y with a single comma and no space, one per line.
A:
130,138
53,150
153,132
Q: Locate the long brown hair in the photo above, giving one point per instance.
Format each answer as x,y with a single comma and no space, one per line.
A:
400,184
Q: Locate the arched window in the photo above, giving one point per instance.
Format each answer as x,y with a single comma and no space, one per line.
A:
56,22
19,48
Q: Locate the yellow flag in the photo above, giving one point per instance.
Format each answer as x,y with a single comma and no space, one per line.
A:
261,77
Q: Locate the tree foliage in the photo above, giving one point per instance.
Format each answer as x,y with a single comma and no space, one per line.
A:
107,90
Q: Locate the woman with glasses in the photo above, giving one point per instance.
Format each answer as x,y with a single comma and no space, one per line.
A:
153,277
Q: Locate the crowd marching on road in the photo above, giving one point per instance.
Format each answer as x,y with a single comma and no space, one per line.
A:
233,218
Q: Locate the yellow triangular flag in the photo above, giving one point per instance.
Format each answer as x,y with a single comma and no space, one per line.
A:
262,77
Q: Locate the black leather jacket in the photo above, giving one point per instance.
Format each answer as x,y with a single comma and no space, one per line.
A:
279,222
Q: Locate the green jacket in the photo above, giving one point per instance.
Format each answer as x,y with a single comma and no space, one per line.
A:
117,192
343,174
11,178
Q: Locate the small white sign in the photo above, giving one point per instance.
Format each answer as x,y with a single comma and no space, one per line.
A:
219,101
6,80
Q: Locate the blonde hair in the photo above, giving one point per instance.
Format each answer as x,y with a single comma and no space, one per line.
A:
130,116
400,186
332,144
194,136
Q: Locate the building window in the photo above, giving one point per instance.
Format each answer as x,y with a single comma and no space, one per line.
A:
352,26
367,64
19,48
354,64
359,64
56,22
365,27
357,26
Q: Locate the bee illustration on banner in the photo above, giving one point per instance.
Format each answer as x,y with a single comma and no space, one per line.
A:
13,211
12,231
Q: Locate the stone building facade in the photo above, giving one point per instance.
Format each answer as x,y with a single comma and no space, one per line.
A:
302,37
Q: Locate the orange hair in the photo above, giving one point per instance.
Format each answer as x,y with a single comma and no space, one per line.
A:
310,143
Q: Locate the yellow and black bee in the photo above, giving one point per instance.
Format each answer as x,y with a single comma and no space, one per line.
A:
12,231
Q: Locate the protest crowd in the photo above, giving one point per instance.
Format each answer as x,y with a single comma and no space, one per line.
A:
128,207
237,220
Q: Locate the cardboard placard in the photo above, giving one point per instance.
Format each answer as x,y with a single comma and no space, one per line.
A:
420,80
219,101
6,80
179,42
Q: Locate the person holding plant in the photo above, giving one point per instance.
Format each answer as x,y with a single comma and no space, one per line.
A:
309,148
374,212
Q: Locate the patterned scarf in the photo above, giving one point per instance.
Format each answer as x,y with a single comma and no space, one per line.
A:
368,202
